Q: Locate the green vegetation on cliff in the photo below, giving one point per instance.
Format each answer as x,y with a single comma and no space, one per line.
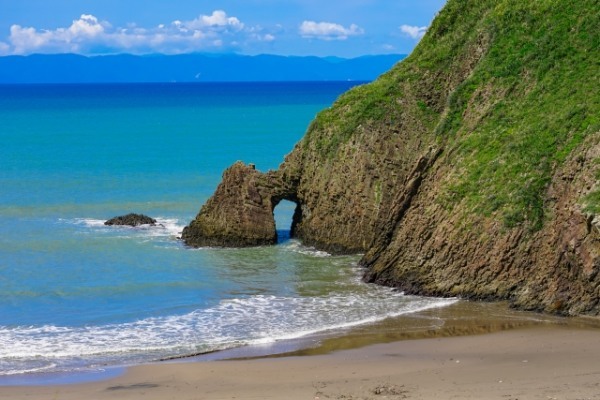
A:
470,169
528,96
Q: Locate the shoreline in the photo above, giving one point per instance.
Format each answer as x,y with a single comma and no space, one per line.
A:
464,319
551,361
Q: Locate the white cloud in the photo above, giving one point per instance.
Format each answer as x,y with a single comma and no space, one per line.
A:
415,32
86,25
85,29
4,48
328,30
218,18
88,35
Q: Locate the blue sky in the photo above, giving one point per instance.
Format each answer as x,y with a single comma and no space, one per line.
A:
348,28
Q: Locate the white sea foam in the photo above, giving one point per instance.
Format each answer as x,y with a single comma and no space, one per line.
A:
27,370
164,228
252,320
90,222
296,246
170,227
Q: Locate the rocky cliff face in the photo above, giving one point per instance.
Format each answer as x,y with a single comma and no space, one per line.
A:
437,252
470,169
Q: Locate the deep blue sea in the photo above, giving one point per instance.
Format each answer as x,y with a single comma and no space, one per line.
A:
76,295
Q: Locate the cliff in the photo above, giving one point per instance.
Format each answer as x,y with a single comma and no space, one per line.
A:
470,169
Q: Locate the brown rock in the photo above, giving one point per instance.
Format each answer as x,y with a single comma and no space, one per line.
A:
240,213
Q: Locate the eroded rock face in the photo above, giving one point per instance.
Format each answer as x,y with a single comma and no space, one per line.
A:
240,213
556,269
131,220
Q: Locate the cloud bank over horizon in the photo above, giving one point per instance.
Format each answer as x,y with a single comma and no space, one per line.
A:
341,33
89,35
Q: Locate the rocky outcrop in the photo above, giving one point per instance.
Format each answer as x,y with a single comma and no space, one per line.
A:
240,213
470,169
131,220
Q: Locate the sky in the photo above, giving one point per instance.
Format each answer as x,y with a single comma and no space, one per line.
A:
348,28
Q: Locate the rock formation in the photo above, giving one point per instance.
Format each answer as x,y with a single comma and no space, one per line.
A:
470,169
131,220
240,213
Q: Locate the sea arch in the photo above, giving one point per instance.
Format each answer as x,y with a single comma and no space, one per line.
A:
241,211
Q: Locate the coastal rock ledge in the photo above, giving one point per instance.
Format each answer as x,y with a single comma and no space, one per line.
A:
470,169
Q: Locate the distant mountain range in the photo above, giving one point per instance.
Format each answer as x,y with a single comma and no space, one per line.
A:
71,68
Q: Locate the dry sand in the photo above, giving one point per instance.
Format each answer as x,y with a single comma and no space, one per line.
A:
532,363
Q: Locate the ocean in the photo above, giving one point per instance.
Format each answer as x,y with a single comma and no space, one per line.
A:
78,296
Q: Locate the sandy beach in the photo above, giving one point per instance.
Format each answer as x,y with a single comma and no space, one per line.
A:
548,362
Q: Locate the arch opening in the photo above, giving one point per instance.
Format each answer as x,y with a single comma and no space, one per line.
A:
283,213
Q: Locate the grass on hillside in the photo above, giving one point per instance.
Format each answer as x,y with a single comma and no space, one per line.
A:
537,88
545,57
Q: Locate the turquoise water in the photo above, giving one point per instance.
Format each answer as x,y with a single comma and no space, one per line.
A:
77,296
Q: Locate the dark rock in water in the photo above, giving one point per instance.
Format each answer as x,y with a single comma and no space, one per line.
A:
131,220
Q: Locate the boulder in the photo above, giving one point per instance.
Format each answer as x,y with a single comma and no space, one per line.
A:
131,220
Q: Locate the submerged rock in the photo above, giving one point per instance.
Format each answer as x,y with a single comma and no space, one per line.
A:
131,220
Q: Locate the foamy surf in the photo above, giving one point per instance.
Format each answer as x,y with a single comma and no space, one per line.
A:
296,246
164,227
231,323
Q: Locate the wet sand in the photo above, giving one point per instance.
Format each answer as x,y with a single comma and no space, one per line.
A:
538,357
